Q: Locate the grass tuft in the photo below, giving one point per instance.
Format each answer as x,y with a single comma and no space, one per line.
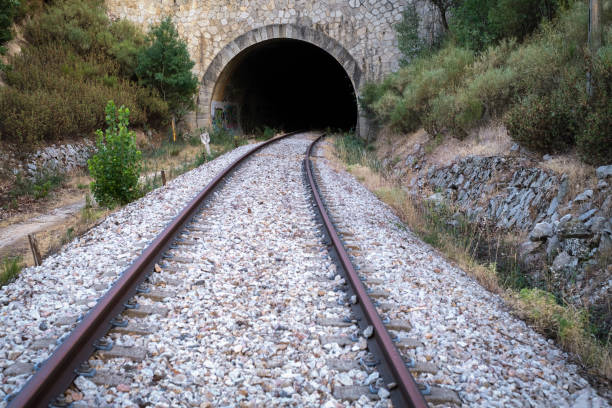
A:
9,269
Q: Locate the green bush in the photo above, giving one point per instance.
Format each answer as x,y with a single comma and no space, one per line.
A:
542,123
477,24
116,166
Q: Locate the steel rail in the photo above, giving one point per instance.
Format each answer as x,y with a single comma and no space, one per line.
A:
408,388
60,369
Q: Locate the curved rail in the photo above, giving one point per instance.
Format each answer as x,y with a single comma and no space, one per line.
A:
409,391
60,369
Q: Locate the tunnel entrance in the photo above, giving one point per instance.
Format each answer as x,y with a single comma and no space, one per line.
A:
285,84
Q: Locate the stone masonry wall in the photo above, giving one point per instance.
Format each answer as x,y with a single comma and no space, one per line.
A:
363,27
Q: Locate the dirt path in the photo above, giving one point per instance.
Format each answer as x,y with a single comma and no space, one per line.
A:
16,232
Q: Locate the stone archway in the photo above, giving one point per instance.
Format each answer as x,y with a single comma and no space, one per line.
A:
215,70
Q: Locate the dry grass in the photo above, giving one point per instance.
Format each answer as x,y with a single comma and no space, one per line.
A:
489,140
581,175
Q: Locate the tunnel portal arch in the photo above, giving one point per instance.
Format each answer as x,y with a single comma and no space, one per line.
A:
217,71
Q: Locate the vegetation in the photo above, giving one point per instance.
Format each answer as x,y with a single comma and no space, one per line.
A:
38,187
9,269
491,259
410,44
74,61
266,133
165,65
115,167
8,11
535,81
478,24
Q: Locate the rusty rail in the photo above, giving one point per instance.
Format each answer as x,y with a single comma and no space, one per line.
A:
409,391
60,369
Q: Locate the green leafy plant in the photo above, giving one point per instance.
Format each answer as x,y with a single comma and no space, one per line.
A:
166,66
116,166
8,11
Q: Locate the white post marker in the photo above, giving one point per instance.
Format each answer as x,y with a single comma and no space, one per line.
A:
205,139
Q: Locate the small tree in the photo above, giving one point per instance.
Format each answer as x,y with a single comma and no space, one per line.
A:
408,40
116,166
165,65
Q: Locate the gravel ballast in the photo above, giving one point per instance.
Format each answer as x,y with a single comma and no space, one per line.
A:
243,324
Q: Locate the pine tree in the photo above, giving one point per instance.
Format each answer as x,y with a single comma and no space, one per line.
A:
165,65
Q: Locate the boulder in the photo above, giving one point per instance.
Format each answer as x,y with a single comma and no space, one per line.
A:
587,215
598,224
604,172
586,195
573,229
565,263
541,231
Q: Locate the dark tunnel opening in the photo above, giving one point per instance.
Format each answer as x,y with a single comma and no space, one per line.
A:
285,84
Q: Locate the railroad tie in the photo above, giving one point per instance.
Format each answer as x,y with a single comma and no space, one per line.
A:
437,396
133,328
110,379
183,260
334,322
385,306
343,365
408,344
189,242
156,294
146,310
41,344
129,353
398,325
339,340
379,293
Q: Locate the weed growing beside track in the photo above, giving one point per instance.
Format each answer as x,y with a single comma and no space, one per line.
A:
496,267
10,268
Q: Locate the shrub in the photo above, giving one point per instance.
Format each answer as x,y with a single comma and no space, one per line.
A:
541,123
268,133
75,62
116,166
594,142
477,24
469,24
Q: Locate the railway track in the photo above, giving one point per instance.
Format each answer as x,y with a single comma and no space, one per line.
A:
248,297
118,333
